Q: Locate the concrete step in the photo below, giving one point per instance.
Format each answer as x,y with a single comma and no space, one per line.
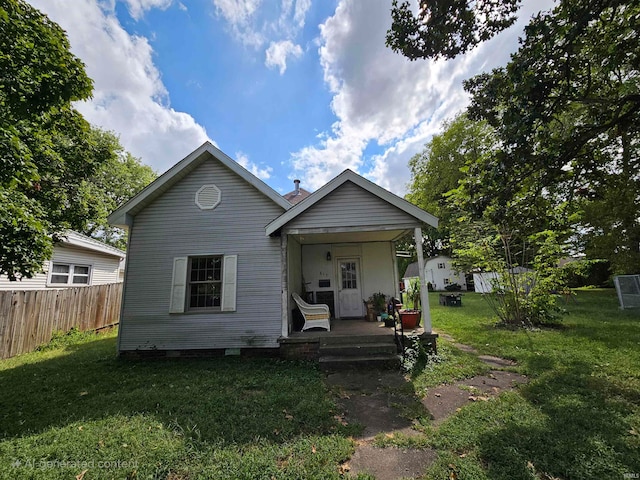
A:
355,339
332,362
358,350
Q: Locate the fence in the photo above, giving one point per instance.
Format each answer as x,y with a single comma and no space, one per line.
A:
29,317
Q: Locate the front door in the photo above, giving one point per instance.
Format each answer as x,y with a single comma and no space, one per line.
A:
349,292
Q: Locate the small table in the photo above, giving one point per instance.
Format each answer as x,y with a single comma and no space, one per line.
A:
451,299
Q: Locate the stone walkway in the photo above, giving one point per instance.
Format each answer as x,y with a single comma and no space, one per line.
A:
377,400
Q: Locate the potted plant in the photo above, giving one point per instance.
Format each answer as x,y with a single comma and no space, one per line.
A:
375,305
410,318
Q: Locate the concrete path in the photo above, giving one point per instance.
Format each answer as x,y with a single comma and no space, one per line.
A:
380,401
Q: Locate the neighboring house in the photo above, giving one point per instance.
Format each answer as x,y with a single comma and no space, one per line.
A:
484,282
214,254
77,261
439,272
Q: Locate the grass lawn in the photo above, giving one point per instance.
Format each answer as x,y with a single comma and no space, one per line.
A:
578,418
227,418
243,418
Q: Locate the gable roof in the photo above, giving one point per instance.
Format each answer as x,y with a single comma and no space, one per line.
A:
411,271
71,237
121,216
344,177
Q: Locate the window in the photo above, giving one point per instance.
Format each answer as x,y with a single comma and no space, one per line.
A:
68,274
349,279
446,281
442,265
205,283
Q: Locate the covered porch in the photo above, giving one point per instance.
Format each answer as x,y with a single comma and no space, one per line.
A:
338,249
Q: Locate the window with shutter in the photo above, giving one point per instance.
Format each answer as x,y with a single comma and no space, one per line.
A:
204,283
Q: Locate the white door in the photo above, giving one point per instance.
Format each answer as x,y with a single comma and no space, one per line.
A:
349,293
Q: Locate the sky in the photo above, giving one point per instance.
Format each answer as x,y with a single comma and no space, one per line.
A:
288,88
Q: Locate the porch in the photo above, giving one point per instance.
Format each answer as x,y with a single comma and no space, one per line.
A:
351,343
337,247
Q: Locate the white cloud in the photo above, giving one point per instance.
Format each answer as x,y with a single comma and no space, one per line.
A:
240,15
254,25
236,12
300,12
138,7
277,53
262,173
380,96
129,96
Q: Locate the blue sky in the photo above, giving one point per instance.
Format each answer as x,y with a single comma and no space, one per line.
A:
288,88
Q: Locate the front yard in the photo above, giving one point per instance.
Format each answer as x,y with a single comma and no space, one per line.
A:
76,408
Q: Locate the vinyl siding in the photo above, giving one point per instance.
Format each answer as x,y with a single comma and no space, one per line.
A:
173,226
350,206
104,269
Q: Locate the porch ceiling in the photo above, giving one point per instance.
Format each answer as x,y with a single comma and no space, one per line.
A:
349,237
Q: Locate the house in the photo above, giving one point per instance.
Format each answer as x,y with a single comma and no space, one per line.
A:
485,282
77,261
439,272
215,254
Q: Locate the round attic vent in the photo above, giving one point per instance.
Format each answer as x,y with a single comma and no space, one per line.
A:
208,197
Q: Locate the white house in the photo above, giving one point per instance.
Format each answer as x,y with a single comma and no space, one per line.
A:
439,272
77,261
215,254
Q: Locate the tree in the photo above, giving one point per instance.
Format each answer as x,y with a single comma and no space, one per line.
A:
47,149
567,109
447,28
118,179
438,169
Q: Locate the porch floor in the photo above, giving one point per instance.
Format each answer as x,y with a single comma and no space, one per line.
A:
353,327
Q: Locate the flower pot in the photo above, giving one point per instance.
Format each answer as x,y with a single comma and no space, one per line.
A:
410,319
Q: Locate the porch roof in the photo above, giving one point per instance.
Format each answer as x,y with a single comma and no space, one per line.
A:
411,215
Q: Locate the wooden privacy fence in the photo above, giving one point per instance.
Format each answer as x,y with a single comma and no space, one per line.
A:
28,318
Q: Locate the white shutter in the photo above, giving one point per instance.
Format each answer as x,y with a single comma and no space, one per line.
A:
178,285
229,278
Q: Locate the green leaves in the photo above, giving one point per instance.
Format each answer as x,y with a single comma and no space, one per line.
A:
49,154
447,28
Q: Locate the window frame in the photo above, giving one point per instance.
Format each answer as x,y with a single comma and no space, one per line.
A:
190,283
71,274
442,265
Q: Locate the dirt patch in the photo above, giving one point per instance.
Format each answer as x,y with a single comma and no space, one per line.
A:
377,400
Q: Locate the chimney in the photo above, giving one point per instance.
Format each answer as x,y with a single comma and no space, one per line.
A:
296,182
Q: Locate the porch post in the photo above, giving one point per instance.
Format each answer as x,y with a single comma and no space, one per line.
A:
424,291
284,265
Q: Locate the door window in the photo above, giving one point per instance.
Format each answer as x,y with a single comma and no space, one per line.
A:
349,279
